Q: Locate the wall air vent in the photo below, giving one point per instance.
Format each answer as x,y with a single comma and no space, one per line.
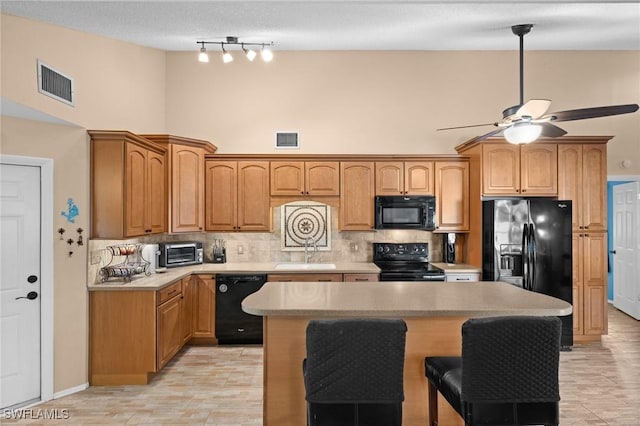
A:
55,84
287,140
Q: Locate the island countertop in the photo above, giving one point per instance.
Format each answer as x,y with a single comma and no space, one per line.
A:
400,299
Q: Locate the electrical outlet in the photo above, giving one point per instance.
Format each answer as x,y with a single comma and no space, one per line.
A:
354,247
240,249
95,258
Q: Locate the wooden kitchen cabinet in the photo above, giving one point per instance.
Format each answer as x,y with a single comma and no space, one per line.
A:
452,196
357,192
305,178
128,186
186,180
170,337
187,314
360,277
237,196
590,284
522,170
404,178
204,309
582,178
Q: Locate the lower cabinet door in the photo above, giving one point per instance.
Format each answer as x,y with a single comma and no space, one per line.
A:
169,329
204,306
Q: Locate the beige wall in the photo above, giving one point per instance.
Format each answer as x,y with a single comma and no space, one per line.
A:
392,102
68,148
117,85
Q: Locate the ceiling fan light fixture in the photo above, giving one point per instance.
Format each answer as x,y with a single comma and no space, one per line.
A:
522,133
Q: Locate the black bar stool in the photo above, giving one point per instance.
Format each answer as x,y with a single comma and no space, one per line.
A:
507,374
353,373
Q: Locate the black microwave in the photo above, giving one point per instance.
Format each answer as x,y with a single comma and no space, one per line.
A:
405,212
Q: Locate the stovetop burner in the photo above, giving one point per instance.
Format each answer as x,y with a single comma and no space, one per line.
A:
405,262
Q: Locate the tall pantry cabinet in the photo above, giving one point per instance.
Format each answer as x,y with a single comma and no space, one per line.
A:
566,168
582,178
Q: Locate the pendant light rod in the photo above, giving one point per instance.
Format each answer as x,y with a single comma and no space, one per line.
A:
520,31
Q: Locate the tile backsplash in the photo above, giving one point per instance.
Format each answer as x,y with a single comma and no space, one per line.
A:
347,246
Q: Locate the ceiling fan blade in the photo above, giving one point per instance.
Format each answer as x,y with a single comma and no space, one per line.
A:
551,131
486,135
595,112
466,127
534,108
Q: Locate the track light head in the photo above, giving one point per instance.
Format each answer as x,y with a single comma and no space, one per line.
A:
226,56
203,56
267,54
251,54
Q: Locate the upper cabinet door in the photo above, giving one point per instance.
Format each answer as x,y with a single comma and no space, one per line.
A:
570,180
594,179
418,178
287,178
187,190
157,193
357,191
500,169
222,195
322,178
452,196
135,191
539,169
389,178
254,209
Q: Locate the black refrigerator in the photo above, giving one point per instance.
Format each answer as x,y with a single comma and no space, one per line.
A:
528,243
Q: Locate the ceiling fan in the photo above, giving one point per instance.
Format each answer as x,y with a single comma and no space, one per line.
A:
525,122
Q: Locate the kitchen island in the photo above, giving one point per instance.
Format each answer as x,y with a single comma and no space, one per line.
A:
434,313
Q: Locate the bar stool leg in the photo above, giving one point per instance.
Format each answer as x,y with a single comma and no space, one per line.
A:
433,404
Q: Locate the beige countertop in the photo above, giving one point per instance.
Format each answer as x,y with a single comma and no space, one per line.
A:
160,280
459,268
400,299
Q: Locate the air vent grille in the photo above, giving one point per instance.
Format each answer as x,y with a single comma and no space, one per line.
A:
55,84
287,140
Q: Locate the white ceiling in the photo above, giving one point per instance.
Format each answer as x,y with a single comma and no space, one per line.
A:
350,25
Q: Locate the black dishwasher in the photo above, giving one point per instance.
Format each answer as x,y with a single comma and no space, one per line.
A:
233,325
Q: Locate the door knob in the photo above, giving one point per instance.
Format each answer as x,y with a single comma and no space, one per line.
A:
612,251
31,295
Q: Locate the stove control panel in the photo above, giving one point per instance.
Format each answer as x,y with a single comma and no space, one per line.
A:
401,251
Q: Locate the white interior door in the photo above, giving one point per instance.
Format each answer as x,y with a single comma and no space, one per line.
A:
626,287
20,212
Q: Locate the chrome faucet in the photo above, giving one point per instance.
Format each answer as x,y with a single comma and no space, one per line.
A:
308,255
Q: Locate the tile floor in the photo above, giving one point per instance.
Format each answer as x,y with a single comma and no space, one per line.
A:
599,385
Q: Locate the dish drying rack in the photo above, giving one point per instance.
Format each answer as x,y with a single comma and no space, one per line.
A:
133,263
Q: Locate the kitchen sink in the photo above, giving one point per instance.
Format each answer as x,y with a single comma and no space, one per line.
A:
305,266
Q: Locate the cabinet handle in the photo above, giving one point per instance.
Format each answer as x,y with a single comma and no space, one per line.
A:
524,190
517,190
361,279
586,227
582,227
301,192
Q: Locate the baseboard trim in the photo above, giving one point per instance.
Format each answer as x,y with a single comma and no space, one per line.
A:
70,391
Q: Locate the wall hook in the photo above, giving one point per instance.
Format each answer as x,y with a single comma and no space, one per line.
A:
61,231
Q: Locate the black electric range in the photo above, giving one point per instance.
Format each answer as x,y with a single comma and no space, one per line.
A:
405,262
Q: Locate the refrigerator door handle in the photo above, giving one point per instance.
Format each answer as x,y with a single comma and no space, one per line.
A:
525,258
533,256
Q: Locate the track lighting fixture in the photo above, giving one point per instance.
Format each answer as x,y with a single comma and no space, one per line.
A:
265,52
